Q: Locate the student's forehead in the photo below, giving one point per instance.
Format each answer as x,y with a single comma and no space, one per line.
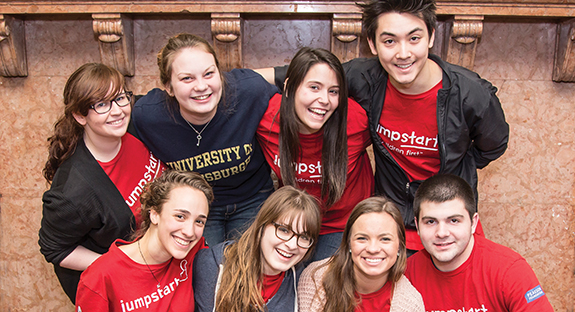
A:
447,209
295,221
394,21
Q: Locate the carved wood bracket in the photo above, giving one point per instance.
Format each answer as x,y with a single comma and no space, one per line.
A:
346,29
12,47
227,35
564,64
116,41
463,37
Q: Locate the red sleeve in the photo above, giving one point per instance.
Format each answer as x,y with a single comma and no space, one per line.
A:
522,291
90,299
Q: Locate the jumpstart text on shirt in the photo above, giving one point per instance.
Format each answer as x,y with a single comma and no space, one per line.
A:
151,173
410,140
314,170
463,309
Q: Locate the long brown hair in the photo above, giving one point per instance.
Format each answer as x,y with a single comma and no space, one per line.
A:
88,85
243,265
339,279
334,150
157,193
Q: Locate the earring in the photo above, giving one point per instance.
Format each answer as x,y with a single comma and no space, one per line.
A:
350,250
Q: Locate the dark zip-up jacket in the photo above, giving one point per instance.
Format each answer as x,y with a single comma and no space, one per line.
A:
471,125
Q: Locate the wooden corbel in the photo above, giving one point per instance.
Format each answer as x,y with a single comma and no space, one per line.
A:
116,41
564,64
227,35
462,42
12,47
346,29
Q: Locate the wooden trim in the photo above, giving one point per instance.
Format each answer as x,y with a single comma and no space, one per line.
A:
564,65
345,29
12,47
116,41
540,8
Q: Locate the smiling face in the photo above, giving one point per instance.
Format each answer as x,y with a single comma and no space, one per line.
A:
181,223
374,245
278,255
316,98
446,232
196,84
111,125
402,45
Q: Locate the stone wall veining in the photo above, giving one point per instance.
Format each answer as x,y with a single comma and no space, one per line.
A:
526,197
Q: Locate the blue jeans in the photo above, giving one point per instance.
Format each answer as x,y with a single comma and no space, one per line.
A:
326,246
230,221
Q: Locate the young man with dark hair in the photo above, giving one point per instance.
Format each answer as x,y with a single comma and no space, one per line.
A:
462,271
426,116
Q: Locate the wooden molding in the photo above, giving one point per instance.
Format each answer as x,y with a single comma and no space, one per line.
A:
226,32
464,33
534,8
564,64
116,41
346,29
12,47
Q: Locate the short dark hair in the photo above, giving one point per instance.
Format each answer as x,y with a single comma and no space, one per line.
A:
372,9
444,187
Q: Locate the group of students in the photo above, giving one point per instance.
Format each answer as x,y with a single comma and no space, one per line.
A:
139,192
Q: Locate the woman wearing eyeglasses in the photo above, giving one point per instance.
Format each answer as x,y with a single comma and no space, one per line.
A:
96,171
259,272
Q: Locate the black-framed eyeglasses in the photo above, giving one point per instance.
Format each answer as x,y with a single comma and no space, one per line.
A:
121,100
285,233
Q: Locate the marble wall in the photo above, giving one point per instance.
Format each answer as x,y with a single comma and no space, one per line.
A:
526,197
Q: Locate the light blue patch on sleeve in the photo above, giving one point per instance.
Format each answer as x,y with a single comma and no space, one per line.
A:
534,294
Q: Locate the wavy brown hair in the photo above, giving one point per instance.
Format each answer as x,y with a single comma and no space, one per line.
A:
240,289
339,279
157,193
334,150
88,85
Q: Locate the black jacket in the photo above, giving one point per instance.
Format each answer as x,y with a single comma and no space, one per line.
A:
470,121
471,126
82,207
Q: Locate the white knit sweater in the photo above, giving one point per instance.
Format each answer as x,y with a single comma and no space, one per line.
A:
311,295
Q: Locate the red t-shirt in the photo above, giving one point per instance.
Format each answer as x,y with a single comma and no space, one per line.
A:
131,170
359,184
114,282
408,129
378,301
494,278
271,284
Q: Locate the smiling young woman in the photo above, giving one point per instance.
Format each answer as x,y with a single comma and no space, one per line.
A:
315,138
366,273
259,272
154,270
96,171
205,121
